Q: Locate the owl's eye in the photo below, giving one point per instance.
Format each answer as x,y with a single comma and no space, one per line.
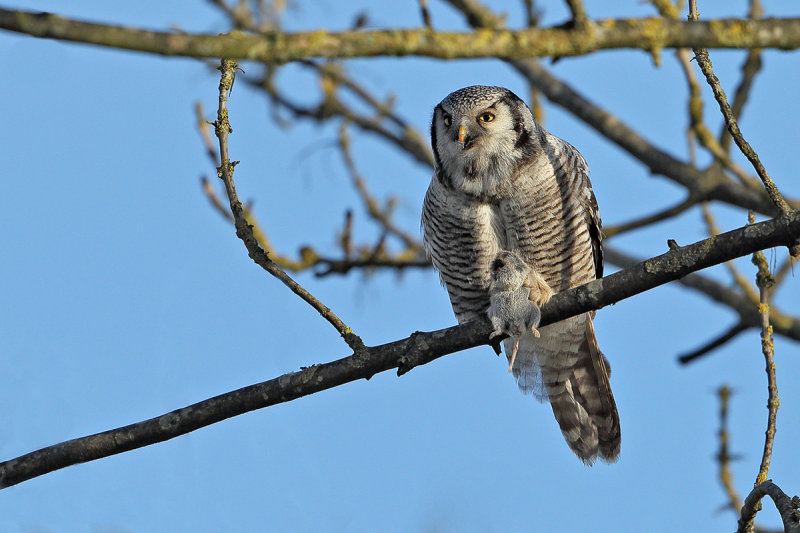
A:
486,117
448,120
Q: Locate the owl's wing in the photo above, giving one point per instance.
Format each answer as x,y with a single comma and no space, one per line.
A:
565,364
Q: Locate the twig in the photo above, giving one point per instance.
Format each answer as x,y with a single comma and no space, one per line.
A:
418,349
531,14
310,258
716,342
738,277
750,69
765,281
701,131
723,456
245,231
783,270
346,238
408,139
426,14
664,214
380,216
205,133
787,507
578,12
399,263
703,61
666,8
697,127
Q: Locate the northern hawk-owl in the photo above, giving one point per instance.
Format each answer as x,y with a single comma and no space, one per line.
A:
501,182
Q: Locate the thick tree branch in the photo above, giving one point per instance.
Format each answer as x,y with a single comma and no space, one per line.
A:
787,507
277,47
418,349
747,310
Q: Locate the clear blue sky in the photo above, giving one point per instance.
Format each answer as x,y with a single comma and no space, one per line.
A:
126,296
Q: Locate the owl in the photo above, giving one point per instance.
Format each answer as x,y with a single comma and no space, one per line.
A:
503,183
510,307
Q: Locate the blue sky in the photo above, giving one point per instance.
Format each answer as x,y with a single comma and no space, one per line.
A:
127,296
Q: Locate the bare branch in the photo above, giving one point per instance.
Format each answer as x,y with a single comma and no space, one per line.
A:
383,217
750,69
738,277
578,12
703,61
765,281
425,13
407,139
418,349
783,270
723,456
245,231
787,507
277,47
747,310
651,219
699,128
714,343
205,133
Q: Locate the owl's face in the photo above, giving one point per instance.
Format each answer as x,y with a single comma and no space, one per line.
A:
508,271
479,135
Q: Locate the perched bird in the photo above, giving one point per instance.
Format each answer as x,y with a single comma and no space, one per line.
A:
501,182
510,308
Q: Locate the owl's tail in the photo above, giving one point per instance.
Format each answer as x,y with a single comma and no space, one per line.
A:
574,378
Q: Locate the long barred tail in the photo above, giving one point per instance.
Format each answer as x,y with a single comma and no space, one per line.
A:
567,368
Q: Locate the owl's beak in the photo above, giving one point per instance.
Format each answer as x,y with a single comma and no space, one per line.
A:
462,134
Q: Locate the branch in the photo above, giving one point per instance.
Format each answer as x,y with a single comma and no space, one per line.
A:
765,281
747,310
664,214
418,349
787,507
703,61
244,230
713,344
277,47
737,276
750,68
723,456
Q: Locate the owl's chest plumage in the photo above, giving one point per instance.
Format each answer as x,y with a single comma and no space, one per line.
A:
531,212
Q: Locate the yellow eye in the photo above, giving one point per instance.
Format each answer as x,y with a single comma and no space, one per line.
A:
448,120
486,117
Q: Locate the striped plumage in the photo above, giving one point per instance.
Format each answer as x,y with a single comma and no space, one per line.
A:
503,183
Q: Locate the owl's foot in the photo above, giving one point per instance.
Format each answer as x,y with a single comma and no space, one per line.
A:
540,290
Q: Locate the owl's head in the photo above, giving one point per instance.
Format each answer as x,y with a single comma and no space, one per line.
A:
508,271
479,135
